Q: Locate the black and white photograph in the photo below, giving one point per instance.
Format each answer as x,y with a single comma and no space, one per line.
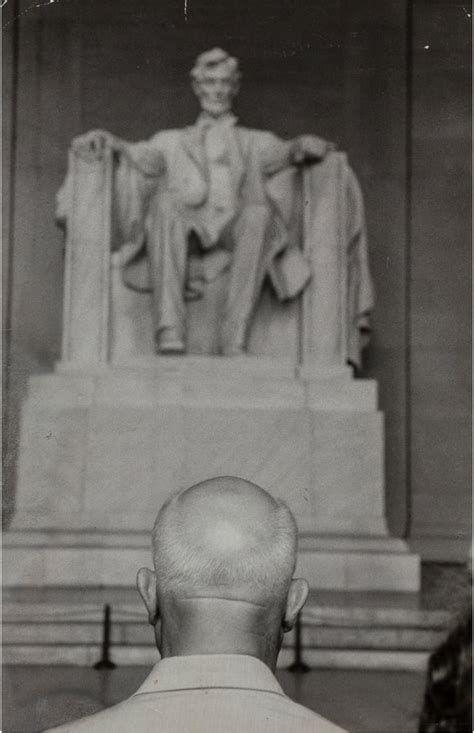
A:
236,360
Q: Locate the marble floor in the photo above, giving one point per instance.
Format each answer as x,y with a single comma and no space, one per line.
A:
359,701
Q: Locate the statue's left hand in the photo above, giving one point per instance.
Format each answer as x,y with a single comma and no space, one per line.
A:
310,148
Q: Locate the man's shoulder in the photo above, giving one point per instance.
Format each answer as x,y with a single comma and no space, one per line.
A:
141,713
108,719
308,720
167,137
253,133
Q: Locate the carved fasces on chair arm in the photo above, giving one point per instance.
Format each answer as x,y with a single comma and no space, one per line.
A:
92,145
146,159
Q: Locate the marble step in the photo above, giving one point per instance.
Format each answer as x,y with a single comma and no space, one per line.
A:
139,634
366,631
87,655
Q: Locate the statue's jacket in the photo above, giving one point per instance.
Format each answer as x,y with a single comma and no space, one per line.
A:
173,163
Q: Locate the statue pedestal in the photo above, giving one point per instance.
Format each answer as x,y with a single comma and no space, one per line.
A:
103,447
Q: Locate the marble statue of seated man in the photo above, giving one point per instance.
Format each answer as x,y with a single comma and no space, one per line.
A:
193,202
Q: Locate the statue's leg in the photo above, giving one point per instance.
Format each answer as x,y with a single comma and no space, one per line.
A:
246,276
167,248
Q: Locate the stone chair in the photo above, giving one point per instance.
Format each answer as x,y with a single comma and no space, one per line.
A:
129,426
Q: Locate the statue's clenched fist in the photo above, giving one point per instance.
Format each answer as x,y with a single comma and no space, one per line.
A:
309,148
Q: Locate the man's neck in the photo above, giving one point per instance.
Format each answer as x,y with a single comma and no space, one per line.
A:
218,626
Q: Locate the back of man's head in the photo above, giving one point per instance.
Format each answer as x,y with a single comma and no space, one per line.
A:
224,553
225,536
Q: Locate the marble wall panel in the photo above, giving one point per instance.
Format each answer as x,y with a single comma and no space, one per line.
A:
440,286
270,447
51,476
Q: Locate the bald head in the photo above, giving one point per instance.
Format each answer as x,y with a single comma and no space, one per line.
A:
224,553
225,537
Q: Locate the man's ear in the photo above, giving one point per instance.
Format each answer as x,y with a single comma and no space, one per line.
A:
297,596
146,585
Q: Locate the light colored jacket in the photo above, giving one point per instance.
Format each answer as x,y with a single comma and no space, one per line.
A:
203,694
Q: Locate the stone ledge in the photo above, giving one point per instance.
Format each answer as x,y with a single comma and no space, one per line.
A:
308,540
86,656
204,384
115,566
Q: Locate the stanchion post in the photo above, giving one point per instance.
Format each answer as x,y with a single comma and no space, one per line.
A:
298,664
105,662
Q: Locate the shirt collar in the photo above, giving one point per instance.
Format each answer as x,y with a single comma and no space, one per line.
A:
210,670
207,120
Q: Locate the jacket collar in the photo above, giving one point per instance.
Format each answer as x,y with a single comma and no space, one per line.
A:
210,670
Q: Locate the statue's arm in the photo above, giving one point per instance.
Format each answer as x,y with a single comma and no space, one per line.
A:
146,157
278,154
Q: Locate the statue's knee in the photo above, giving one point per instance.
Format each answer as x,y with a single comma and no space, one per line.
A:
162,201
252,218
166,203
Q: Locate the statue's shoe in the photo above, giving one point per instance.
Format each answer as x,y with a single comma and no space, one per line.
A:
176,347
168,342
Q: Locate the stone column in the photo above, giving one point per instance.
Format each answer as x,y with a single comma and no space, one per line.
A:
87,269
324,341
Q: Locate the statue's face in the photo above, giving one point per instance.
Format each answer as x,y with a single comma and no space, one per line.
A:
216,90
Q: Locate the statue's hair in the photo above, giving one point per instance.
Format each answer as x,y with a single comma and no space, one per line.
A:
267,565
211,59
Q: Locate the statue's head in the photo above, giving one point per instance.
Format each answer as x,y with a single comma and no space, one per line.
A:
215,79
